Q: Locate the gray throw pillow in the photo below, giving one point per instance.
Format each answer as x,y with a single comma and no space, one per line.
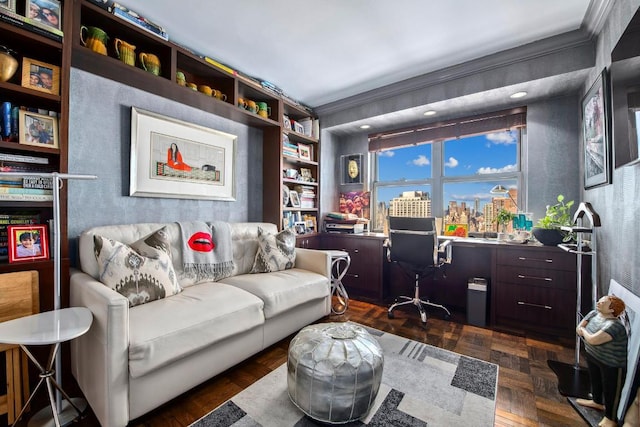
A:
275,251
142,271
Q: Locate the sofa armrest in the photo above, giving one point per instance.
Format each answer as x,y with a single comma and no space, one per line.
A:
100,358
314,260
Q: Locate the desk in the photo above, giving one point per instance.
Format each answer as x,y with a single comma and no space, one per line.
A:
48,328
532,288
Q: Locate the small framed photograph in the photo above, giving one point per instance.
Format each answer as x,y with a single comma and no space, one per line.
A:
38,129
9,5
28,242
285,196
304,151
286,122
40,76
305,175
46,12
294,199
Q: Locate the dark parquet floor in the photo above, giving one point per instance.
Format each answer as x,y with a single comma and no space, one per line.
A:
527,388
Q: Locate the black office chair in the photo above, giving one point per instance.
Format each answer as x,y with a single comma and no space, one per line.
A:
413,245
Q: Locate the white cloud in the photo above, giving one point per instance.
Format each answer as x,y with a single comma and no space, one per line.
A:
451,163
508,168
388,153
421,161
506,138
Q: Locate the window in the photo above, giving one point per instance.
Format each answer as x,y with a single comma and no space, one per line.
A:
452,178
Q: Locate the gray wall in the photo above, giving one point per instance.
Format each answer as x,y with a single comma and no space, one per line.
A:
99,144
618,203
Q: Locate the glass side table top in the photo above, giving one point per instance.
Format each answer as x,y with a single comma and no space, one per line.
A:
45,328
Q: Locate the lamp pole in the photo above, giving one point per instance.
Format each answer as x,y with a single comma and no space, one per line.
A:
57,262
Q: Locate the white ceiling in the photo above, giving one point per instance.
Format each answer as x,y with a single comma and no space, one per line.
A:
320,51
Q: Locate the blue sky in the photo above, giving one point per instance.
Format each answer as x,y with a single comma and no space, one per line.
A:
471,156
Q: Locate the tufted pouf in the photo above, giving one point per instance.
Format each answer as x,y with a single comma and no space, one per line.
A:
334,371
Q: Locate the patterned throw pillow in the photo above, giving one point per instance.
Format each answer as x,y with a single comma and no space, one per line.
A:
275,251
142,272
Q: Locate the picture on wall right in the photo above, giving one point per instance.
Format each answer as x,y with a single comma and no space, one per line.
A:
595,131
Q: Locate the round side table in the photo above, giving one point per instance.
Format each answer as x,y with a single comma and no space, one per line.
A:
340,262
48,328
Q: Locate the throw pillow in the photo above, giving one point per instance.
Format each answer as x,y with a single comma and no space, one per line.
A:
275,251
142,271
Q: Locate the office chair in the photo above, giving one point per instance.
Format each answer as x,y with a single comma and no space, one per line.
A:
413,245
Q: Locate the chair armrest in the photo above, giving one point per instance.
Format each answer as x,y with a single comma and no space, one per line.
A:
444,252
100,358
314,260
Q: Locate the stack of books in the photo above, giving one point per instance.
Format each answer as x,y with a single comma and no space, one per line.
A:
25,188
13,219
307,194
289,149
134,18
32,25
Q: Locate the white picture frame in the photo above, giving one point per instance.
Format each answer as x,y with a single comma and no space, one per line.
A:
294,199
175,159
632,313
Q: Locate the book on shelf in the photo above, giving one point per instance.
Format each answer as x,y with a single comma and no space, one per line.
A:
139,22
26,197
31,25
4,190
6,157
220,66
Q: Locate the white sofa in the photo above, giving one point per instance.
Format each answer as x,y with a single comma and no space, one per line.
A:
133,360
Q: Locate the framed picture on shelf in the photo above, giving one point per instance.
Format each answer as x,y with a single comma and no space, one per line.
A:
294,199
37,129
286,122
595,131
285,196
46,12
8,4
27,242
40,76
304,152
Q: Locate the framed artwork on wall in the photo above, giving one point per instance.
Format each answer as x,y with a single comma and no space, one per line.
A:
351,165
175,159
595,133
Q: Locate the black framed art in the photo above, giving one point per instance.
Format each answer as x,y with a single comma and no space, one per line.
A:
351,168
595,133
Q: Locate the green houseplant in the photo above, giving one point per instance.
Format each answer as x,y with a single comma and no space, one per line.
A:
503,219
547,229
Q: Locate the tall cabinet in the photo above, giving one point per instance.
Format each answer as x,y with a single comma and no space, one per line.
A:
37,49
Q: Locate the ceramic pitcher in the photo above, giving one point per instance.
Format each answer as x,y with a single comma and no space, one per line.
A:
126,52
94,38
150,63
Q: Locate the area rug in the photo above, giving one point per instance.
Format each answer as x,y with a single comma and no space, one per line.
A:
421,385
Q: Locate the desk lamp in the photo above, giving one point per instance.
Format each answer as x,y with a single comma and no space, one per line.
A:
501,189
44,417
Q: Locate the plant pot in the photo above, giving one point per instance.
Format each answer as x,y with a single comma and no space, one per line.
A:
548,236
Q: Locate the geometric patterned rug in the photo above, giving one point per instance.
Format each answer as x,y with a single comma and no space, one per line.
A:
421,385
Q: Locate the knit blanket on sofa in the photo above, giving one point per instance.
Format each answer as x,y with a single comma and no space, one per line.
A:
207,252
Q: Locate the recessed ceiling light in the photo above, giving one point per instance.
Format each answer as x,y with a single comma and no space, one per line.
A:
430,113
518,95
365,126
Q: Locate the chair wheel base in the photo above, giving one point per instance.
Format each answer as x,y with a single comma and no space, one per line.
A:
390,315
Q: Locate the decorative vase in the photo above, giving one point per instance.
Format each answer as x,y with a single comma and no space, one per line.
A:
548,236
8,64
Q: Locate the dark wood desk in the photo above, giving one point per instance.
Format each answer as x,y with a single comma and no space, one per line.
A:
531,287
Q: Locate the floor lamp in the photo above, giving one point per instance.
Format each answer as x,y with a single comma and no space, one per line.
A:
44,417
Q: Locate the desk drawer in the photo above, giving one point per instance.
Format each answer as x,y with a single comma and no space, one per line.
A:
557,279
551,258
536,307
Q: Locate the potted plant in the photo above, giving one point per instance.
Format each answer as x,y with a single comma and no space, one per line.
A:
503,219
547,229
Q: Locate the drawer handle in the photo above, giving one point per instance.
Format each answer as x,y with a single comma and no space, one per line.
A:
353,275
546,279
356,251
547,260
546,307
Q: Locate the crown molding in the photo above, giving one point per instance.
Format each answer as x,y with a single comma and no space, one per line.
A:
570,40
596,16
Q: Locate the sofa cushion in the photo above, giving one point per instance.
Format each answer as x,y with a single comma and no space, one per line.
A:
276,252
282,290
201,315
142,272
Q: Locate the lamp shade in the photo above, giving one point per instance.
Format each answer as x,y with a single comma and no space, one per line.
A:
499,189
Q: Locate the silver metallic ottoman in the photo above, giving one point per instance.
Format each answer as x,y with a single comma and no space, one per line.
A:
334,371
